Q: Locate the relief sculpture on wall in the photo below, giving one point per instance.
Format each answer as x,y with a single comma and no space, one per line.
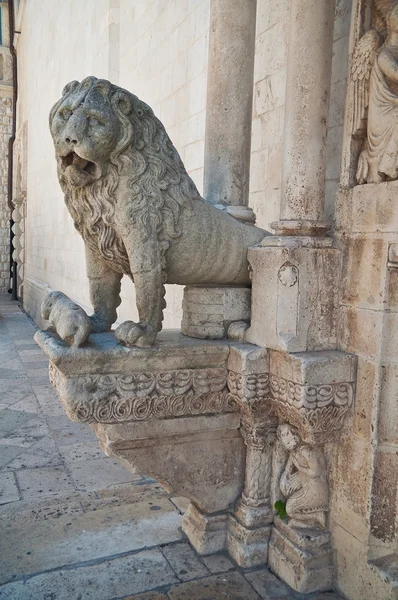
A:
137,209
374,73
303,481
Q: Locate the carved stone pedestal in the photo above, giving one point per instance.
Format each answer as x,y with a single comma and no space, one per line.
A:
206,532
302,557
209,311
296,310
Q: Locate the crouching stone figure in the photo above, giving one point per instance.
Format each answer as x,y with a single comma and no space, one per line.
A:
66,318
137,209
304,480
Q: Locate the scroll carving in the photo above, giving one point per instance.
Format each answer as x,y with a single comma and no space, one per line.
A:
374,73
144,396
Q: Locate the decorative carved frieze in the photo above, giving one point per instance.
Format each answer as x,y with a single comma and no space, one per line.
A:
316,410
142,396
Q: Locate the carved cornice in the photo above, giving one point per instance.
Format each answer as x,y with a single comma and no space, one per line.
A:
316,410
119,398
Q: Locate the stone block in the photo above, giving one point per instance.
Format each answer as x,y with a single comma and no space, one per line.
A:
218,563
314,391
248,547
267,585
357,211
365,398
201,458
351,474
228,585
364,272
113,579
296,309
383,520
208,311
302,558
388,409
184,562
207,533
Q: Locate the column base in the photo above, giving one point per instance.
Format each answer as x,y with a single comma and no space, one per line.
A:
207,533
248,547
300,227
301,557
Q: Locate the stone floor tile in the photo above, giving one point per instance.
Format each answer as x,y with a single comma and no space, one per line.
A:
8,488
218,563
109,579
29,404
267,585
100,473
228,586
38,546
147,596
3,405
44,481
15,390
78,452
11,420
184,562
67,432
28,434
48,400
325,596
22,345
7,454
181,503
43,453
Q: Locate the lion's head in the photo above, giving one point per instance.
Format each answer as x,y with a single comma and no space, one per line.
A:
102,132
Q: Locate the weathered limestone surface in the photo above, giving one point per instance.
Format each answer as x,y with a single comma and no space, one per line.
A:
296,310
216,312
364,464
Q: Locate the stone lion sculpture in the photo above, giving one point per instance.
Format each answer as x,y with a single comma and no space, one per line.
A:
137,209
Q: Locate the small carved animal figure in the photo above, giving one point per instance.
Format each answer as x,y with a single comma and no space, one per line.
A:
66,318
137,209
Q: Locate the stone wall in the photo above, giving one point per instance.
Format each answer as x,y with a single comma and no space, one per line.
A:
5,133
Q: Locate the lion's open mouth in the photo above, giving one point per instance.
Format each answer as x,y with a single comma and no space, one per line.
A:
79,171
81,163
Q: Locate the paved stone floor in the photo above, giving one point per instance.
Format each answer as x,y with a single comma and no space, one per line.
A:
74,524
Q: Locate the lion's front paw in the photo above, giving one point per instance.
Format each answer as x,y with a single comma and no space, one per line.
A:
135,334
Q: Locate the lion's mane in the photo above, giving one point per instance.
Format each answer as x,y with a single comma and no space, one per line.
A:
158,182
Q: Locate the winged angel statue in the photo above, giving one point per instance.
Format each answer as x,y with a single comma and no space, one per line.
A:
374,74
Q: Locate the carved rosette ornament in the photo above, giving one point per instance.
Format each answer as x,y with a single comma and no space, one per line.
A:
374,74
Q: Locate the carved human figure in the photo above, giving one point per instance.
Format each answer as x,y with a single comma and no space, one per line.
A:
378,98
137,209
303,481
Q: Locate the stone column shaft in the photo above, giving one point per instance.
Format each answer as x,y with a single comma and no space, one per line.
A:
306,116
229,104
